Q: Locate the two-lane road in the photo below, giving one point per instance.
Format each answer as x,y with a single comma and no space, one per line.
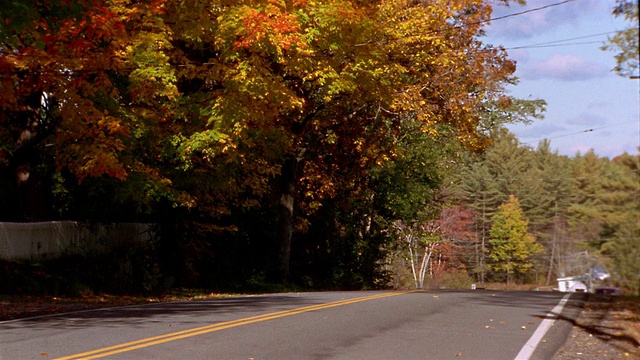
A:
330,325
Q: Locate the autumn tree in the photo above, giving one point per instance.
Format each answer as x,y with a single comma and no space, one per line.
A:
73,109
459,233
197,114
457,241
511,244
326,82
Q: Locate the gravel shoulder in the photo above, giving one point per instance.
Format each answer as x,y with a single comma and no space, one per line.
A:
607,328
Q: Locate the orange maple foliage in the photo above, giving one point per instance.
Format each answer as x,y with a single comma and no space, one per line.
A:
68,78
168,89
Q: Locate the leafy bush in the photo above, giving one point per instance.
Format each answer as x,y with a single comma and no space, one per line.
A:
453,279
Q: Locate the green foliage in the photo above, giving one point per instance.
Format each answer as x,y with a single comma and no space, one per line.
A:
204,117
404,188
607,215
487,180
625,42
573,204
507,110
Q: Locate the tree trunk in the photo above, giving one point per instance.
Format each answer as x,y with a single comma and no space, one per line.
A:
553,244
287,198
551,259
35,200
285,216
424,265
413,264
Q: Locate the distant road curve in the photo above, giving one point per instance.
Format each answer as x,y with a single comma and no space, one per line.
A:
470,324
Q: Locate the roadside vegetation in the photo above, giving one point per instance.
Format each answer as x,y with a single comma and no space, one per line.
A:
608,327
292,145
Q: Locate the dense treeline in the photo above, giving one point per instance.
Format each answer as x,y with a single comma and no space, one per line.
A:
583,210
320,143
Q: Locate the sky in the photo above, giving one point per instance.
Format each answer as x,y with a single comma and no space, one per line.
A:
588,105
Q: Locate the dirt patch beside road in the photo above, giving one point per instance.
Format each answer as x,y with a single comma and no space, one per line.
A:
607,328
23,306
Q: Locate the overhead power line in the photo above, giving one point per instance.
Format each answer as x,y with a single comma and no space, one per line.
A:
562,42
530,10
503,17
579,132
556,45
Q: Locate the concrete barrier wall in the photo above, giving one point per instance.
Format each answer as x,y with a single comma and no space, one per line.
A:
46,240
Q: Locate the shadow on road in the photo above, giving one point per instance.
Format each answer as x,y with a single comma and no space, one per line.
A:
158,312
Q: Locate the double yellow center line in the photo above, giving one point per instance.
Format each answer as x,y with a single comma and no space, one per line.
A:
160,339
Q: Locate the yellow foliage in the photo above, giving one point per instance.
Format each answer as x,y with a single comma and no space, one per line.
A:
205,84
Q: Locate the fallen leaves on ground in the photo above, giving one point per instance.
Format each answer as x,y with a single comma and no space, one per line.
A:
608,328
22,306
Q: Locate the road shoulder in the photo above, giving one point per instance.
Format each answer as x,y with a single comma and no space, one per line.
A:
607,328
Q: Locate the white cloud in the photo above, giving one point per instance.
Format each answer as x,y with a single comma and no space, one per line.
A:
587,120
598,105
538,132
543,21
566,67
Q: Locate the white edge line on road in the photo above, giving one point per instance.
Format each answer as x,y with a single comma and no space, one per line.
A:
535,339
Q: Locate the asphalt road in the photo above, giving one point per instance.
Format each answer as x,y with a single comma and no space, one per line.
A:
478,324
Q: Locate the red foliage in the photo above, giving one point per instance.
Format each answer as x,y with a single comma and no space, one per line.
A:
280,27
